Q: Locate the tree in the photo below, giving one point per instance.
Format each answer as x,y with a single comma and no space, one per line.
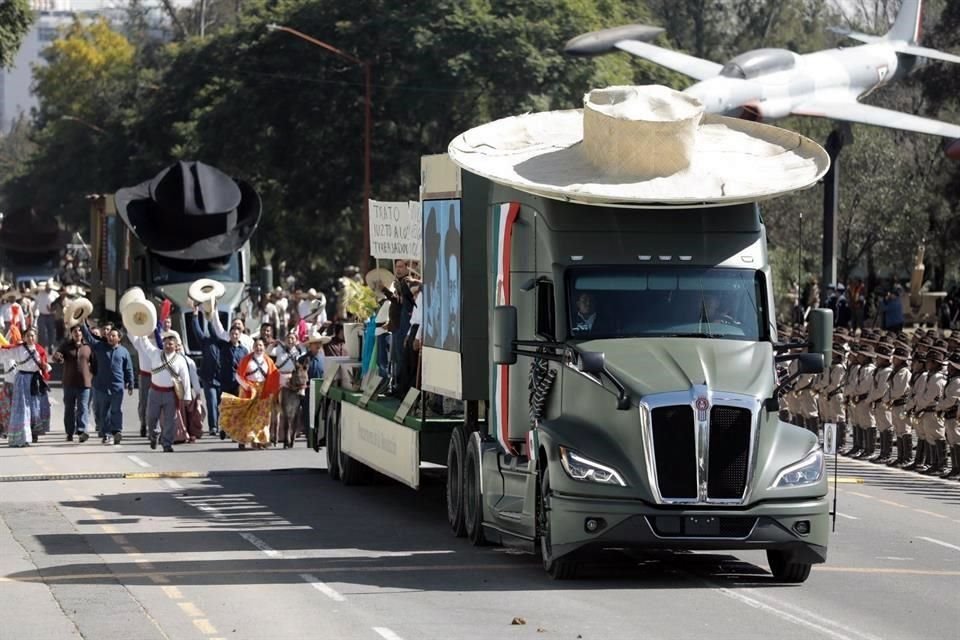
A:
15,20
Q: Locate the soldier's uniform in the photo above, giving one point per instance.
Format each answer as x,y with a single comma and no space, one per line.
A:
931,426
950,404
807,402
881,411
866,422
831,395
897,399
849,393
918,380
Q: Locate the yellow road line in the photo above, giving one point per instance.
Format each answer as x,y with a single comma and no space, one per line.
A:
931,513
204,626
190,609
173,593
892,503
846,480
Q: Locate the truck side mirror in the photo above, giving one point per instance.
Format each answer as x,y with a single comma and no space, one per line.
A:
820,328
592,362
809,363
504,334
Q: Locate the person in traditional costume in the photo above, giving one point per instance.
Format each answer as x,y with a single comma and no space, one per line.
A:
246,418
30,402
169,385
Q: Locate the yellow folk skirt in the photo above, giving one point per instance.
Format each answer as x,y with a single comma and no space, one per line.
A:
246,420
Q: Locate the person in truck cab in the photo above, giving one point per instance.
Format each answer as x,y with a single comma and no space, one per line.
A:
586,316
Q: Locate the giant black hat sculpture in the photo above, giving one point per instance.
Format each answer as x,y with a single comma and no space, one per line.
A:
191,211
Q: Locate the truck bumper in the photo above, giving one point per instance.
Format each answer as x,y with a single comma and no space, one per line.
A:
800,528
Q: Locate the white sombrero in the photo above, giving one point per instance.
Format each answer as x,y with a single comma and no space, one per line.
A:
316,336
646,145
378,278
76,311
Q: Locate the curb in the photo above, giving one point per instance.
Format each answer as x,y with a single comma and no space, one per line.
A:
153,475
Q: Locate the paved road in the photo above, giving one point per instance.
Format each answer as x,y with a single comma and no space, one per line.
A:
267,546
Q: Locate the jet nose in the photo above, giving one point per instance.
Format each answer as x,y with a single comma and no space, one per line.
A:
952,148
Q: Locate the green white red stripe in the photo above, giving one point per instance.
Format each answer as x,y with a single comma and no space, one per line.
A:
504,217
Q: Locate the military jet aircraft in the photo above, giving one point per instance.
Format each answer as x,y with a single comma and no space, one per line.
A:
769,84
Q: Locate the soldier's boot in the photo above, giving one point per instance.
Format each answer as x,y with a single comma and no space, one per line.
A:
857,443
939,450
907,450
813,424
874,456
919,458
901,458
954,471
869,442
886,448
841,436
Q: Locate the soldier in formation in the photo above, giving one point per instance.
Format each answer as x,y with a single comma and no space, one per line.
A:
894,398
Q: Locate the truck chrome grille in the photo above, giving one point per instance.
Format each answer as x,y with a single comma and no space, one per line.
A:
700,457
729,452
674,440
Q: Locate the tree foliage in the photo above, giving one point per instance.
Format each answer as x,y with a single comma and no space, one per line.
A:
15,20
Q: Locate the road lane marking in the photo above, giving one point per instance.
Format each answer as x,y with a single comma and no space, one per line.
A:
843,480
941,543
847,516
204,626
862,495
173,484
931,513
888,570
787,616
891,503
322,587
386,633
190,609
139,462
260,544
809,614
173,593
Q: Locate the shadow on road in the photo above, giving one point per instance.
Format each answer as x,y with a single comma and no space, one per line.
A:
383,535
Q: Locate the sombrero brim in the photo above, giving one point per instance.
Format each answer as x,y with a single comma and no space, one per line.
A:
378,277
320,339
734,161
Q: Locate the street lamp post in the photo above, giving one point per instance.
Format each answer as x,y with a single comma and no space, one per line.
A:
367,130
83,122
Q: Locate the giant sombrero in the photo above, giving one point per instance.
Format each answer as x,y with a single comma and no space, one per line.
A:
191,211
641,146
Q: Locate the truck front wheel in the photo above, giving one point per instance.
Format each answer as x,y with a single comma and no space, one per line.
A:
564,567
784,570
472,498
455,482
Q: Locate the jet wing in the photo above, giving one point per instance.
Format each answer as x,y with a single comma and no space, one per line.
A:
866,114
925,52
696,68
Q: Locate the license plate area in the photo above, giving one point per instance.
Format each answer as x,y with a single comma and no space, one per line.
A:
701,526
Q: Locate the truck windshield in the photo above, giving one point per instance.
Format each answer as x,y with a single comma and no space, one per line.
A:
667,301
170,270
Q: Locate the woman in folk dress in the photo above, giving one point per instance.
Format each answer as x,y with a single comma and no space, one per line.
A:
29,412
246,419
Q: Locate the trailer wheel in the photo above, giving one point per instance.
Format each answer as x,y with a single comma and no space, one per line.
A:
352,472
331,427
785,571
455,473
564,567
472,498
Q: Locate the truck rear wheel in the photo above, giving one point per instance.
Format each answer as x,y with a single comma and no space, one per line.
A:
352,471
331,427
564,567
472,498
784,570
455,473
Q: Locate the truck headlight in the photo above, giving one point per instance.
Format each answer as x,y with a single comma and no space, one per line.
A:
586,470
806,472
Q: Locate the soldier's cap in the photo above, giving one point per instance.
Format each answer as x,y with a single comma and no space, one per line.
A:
901,352
842,331
955,361
940,343
902,337
855,347
938,356
884,351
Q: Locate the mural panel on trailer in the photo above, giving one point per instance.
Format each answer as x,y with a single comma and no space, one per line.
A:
442,274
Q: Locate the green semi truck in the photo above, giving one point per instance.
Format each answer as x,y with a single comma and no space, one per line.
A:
616,367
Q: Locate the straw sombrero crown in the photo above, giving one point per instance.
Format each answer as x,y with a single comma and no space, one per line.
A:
644,145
